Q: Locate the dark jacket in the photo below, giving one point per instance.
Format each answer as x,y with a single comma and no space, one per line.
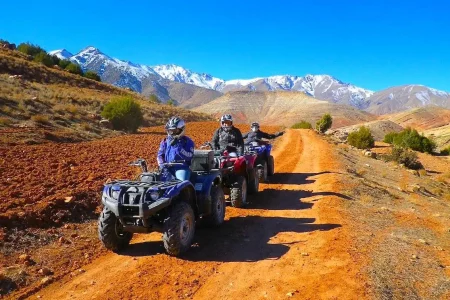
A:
259,135
222,139
182,149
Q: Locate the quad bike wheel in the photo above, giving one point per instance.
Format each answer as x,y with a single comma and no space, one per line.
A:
218,205
179,229
253,185
110,231
238,192
270,166
263,172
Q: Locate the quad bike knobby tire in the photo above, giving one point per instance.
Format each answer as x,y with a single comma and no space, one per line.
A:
110,231
270,166
253,185
238,192
179,229
263,172
218,205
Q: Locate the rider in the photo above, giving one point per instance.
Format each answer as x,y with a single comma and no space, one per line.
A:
228,135
256,135
176,147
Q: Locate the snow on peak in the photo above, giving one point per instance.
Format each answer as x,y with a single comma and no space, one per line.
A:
61,54
180,74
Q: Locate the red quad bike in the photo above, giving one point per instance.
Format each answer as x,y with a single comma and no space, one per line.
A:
239,173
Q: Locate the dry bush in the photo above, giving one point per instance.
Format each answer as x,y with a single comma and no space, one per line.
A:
423,172
404,180
4,121
41,119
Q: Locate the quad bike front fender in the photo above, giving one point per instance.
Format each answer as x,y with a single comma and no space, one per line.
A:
141,210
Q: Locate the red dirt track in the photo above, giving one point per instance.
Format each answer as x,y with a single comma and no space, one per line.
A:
291,241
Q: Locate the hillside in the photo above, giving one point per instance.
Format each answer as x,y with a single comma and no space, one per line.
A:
39,104
378,128
401,98
421,118
281,108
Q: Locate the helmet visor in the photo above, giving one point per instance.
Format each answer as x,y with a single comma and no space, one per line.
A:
227,123
173,131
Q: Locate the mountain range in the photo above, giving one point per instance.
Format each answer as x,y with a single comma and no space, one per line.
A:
190,89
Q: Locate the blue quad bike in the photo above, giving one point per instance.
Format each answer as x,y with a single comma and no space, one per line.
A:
157,201
265,163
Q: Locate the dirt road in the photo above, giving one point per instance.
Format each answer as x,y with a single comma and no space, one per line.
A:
290,242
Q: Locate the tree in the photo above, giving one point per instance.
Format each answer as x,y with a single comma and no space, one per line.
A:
74,69
361,139
30,49
324,124
92,75
124,113
410,138
43,58
153,98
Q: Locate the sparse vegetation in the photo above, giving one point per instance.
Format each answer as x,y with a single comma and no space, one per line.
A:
171,102
324,123
302,125
361,139
410,138
124,113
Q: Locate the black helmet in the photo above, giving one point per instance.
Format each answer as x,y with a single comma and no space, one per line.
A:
226,122
175,127
255,124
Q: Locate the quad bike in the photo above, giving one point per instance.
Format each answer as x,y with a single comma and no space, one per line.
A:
265,163
157,201
239,177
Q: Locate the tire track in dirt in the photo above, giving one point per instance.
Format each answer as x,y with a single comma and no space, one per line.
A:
289,240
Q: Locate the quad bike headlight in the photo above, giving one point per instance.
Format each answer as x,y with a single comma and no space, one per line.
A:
154,195
115,191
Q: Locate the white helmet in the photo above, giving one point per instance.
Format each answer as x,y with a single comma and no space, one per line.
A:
226,122
175,127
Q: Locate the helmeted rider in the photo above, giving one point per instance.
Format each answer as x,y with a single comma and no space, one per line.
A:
228,135
256,135
176,147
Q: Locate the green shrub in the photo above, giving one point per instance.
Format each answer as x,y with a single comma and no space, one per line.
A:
445,151
302,125
92,75
30,49
171,102
324,124
44,58
406,157
63,63
74,69
153,98
389,138
124,113
410,138
361,139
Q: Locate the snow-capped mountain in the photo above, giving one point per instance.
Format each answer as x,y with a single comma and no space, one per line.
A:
191,89
180,74
61,54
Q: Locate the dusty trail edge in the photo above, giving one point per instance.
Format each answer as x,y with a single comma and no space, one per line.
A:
292,241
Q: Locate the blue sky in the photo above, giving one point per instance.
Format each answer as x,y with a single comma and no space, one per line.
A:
373,44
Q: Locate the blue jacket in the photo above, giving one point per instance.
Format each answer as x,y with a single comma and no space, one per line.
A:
182,150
